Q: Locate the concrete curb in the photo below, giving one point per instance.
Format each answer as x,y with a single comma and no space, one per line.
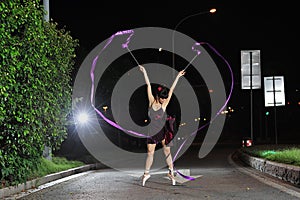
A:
8,191
289,173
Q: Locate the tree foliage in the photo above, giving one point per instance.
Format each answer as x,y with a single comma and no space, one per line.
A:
36,61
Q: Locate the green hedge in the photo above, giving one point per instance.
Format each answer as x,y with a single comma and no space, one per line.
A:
37,59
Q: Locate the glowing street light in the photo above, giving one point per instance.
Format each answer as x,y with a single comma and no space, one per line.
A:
212,11
82,118
105,108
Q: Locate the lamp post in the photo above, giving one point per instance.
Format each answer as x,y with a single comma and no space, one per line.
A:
213,10
47,150
46,7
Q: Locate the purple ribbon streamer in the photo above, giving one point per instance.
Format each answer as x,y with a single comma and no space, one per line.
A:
218,113
125,45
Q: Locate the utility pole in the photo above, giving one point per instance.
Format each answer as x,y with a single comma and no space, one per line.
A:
47,150
46,7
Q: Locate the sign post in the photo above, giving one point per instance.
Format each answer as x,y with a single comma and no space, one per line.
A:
251,76
274,95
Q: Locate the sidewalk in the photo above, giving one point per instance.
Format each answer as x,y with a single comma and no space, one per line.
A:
8,191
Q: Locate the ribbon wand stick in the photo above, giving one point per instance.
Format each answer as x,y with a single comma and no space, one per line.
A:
198,53
132,55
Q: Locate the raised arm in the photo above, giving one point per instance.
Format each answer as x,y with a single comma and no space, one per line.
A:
166,102
149,90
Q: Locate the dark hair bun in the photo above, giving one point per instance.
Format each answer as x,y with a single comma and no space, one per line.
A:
162,92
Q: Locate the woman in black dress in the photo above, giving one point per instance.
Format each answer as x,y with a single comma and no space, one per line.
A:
157,113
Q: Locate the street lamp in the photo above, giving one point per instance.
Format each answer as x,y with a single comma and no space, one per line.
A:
105,108
212,10
82,118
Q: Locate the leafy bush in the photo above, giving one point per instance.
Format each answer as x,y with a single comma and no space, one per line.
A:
288,154
35,86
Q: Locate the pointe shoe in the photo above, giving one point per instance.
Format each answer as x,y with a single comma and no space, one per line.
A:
172,177
145,178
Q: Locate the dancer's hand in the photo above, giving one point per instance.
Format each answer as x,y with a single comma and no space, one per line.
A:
181,73
142,68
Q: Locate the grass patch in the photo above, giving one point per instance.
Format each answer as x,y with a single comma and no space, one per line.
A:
287,154
57,164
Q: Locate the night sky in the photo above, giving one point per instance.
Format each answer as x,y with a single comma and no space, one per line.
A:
268,26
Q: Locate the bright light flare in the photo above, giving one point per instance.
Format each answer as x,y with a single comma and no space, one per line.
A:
82,118
213,10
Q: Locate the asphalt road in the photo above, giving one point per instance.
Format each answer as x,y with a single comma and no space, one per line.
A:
221,177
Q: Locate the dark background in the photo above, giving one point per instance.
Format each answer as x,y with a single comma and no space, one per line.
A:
271,27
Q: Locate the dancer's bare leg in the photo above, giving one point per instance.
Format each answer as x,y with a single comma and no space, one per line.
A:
150,156
149,162
167,152
169,160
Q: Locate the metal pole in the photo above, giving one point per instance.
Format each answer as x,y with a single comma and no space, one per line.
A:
251,99
47,150
175,29
46,7
275,123
266,127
